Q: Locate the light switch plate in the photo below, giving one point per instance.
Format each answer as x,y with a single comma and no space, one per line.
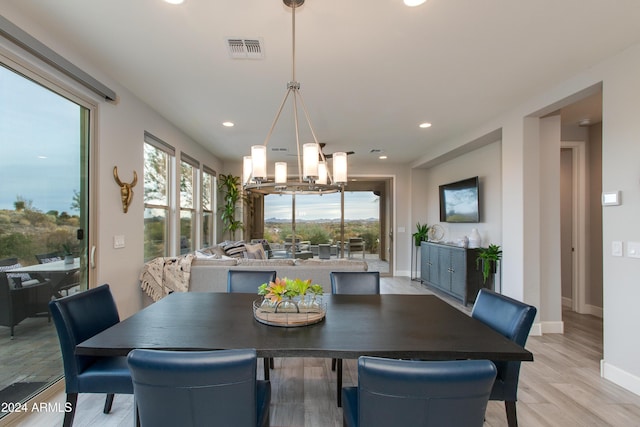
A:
118,241
616,248
633,249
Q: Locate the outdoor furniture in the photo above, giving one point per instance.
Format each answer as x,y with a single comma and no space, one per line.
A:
60,280
19,301
355,244
513,319
418,393
324,251
247,282
352,283
78,317
199,388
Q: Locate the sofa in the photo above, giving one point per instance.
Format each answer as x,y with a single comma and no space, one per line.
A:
210,275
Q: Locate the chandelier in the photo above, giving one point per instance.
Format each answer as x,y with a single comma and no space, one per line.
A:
313,173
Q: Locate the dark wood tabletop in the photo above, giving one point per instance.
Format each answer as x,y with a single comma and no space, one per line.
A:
398,326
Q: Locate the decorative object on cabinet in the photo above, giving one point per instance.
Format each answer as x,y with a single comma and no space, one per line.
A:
436,233
488,260
475,241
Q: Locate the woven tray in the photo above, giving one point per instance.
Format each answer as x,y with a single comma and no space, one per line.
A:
287,320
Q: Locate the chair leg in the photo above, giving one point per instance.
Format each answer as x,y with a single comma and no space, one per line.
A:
271,364
72,400
333,364
512,419
265,364
339,382
107,403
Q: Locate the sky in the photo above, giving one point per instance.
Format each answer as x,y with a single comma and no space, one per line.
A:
40,145
357,205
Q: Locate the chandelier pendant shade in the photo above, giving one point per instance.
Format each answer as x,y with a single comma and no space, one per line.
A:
313,174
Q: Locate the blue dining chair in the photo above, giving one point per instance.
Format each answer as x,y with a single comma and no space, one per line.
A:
352,283
199,388
513,319
247,282
418,393
77,318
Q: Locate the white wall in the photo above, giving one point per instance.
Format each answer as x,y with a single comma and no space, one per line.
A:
119,132
484,162
523,195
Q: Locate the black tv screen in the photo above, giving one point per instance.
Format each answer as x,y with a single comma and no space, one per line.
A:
459,201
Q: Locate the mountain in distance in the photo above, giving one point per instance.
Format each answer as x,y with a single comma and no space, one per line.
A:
320,220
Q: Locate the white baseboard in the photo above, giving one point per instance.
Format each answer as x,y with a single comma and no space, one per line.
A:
622,378
536,330
405,273
593,310
556,327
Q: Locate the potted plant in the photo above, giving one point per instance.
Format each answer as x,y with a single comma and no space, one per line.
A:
232,190
68,255
422,233
488,259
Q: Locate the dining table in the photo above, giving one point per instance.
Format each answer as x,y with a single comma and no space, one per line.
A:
421,327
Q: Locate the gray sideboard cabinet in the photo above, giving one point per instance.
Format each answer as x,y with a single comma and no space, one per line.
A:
452,270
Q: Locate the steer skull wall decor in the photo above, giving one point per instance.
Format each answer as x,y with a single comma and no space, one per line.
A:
126,189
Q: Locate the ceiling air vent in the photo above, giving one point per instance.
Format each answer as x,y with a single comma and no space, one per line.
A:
241,48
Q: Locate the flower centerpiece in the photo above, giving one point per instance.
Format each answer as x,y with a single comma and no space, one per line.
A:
290,295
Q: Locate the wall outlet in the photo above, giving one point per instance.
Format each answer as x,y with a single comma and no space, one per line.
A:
633,249
616,248
118,241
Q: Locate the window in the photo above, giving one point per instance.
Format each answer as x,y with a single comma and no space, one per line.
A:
208,204
188,185
158,157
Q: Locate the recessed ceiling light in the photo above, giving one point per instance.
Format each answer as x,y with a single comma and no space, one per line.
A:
42,157
228,124
413,3
174,1
425,125
382,157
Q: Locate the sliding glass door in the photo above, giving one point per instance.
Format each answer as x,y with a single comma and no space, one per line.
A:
44,141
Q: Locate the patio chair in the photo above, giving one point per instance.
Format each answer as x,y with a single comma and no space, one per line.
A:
513,319
20,300
352,283
418,393
355,244
79,317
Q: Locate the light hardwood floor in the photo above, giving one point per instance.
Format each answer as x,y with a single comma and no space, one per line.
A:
562,387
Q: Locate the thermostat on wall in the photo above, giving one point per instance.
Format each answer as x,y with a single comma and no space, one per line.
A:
611,198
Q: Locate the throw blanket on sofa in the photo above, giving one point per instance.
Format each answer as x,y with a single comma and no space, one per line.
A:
161,276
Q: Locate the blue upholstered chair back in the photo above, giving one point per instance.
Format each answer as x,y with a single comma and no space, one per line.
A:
423,393
248,281
513,319
355,282
77,318
197,388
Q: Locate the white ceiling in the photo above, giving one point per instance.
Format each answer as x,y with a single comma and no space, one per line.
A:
370,70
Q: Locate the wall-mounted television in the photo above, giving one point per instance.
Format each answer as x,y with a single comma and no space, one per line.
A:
460,201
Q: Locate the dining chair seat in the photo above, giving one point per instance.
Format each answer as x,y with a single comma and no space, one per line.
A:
199,388
353,283
418,393
77,318
513,319
247,282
